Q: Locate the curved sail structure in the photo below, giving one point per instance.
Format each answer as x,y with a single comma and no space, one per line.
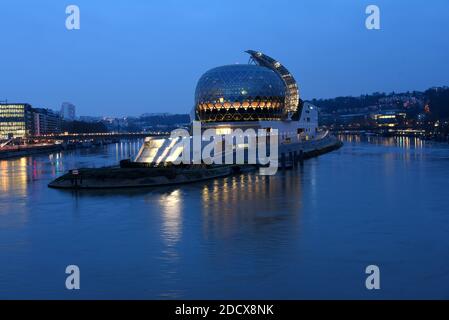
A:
292,101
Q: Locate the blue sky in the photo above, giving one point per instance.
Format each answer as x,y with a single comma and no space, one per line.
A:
136,56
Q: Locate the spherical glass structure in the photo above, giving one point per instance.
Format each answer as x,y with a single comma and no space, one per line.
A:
239,93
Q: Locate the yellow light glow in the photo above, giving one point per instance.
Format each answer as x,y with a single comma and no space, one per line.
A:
223,131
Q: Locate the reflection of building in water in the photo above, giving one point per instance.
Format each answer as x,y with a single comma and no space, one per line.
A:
400,141
13,176
171,206
13,185
250,198
127,149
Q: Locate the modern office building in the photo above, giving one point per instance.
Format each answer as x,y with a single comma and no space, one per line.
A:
390,118
68,111
20,120
16,120
46,121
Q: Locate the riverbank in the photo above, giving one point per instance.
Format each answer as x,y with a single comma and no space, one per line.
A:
308,149
11,152
421,134
23,151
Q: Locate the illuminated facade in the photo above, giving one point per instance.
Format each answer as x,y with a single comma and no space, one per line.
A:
20,120
16,120
259,95
46,121
390,118
239,93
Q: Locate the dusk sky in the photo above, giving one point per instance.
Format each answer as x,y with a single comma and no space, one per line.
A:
139,56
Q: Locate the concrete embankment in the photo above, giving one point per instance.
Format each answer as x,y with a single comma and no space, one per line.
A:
290,154
21,151
116,177
28,150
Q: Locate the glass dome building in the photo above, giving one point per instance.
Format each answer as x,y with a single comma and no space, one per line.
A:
260,96
240,93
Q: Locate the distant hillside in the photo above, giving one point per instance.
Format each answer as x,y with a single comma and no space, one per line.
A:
434,101
349,103
438,102
83,127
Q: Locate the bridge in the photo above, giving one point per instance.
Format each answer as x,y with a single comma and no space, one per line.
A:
96,136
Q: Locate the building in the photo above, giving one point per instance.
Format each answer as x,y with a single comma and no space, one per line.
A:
46,121
237,93
16,120
68,111
260,95
390,118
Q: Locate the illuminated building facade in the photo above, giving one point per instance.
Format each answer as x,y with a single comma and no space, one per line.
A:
20,120
390,118
16,120
46,121
260,95
239,93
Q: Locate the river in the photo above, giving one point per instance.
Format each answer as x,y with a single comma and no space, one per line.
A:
302,234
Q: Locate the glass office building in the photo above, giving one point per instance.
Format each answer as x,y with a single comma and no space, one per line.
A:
16,120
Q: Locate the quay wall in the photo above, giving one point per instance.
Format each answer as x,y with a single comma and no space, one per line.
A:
27,151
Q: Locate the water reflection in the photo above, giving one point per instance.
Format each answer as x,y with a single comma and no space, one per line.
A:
390,148
171,208
242,236
14,176
401,141
250,200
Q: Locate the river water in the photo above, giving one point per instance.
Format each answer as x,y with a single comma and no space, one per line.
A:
301,234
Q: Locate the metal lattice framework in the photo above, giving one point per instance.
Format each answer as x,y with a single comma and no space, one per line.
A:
292,100
240,93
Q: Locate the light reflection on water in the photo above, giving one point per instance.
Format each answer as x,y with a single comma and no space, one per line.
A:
171,208
376,200
402,142
14,176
